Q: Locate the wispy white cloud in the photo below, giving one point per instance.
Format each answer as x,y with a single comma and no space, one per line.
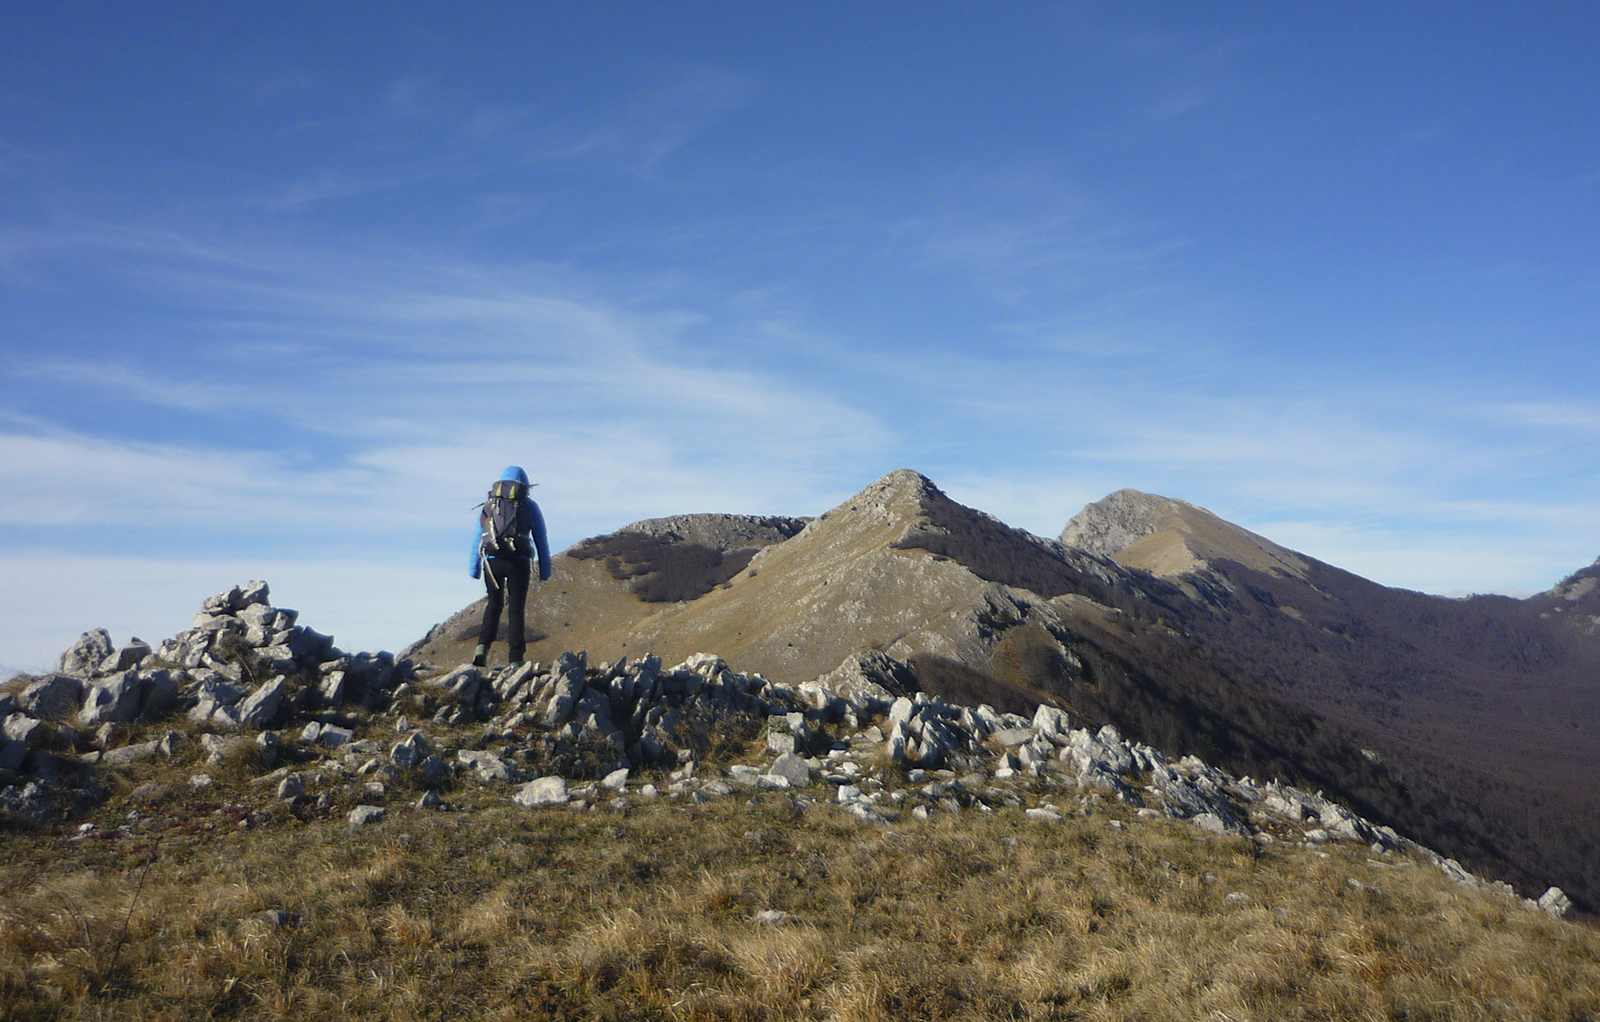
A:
1179,103
133,383
1027,234
426,375
280,84
645,131
164,485
1562,414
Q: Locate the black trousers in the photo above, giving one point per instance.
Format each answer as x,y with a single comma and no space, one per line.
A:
507,583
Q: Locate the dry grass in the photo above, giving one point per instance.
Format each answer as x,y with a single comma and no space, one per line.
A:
495,912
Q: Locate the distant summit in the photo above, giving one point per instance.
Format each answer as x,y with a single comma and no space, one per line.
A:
1170,537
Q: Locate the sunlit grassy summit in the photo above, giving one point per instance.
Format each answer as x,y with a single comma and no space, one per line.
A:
899,760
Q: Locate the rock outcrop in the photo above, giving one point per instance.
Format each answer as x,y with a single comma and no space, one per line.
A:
721,532
244,665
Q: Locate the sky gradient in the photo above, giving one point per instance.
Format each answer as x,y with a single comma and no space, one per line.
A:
283,288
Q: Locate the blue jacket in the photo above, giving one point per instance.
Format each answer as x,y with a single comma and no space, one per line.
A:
532,522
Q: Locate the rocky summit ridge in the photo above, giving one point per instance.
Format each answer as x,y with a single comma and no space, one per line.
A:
566,734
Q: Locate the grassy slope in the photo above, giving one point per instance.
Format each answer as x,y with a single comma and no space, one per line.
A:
491,911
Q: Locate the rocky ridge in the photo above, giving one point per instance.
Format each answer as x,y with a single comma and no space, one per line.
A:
321,724
721,531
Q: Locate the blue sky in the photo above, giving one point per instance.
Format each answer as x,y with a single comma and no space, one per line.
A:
282,287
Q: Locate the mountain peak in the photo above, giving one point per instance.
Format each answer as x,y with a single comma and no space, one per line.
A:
901,484
895,500
1171,537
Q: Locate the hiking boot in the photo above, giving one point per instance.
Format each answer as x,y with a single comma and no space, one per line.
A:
514,663
480,656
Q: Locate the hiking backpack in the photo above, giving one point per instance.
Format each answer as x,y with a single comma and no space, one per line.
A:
502,511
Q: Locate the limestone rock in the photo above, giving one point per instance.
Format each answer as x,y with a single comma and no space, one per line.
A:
29,802
1011,737
900,711
131,754
1052,723
31,732
569,673
158,692
463,682
330,688
52,697
706,665
211,694
225,602
431,766
279,658
330,735
544,791
253,594
870,681
306,644
1209,822
258,615
410,751
486,766
83,656
1555,902
1341,825
896,742
360,816
511,680
115,699
127,657
792,769
262,705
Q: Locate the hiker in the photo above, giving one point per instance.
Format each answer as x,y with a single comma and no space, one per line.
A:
510,529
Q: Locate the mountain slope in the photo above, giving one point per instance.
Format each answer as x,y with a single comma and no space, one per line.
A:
1452,721
1489,701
